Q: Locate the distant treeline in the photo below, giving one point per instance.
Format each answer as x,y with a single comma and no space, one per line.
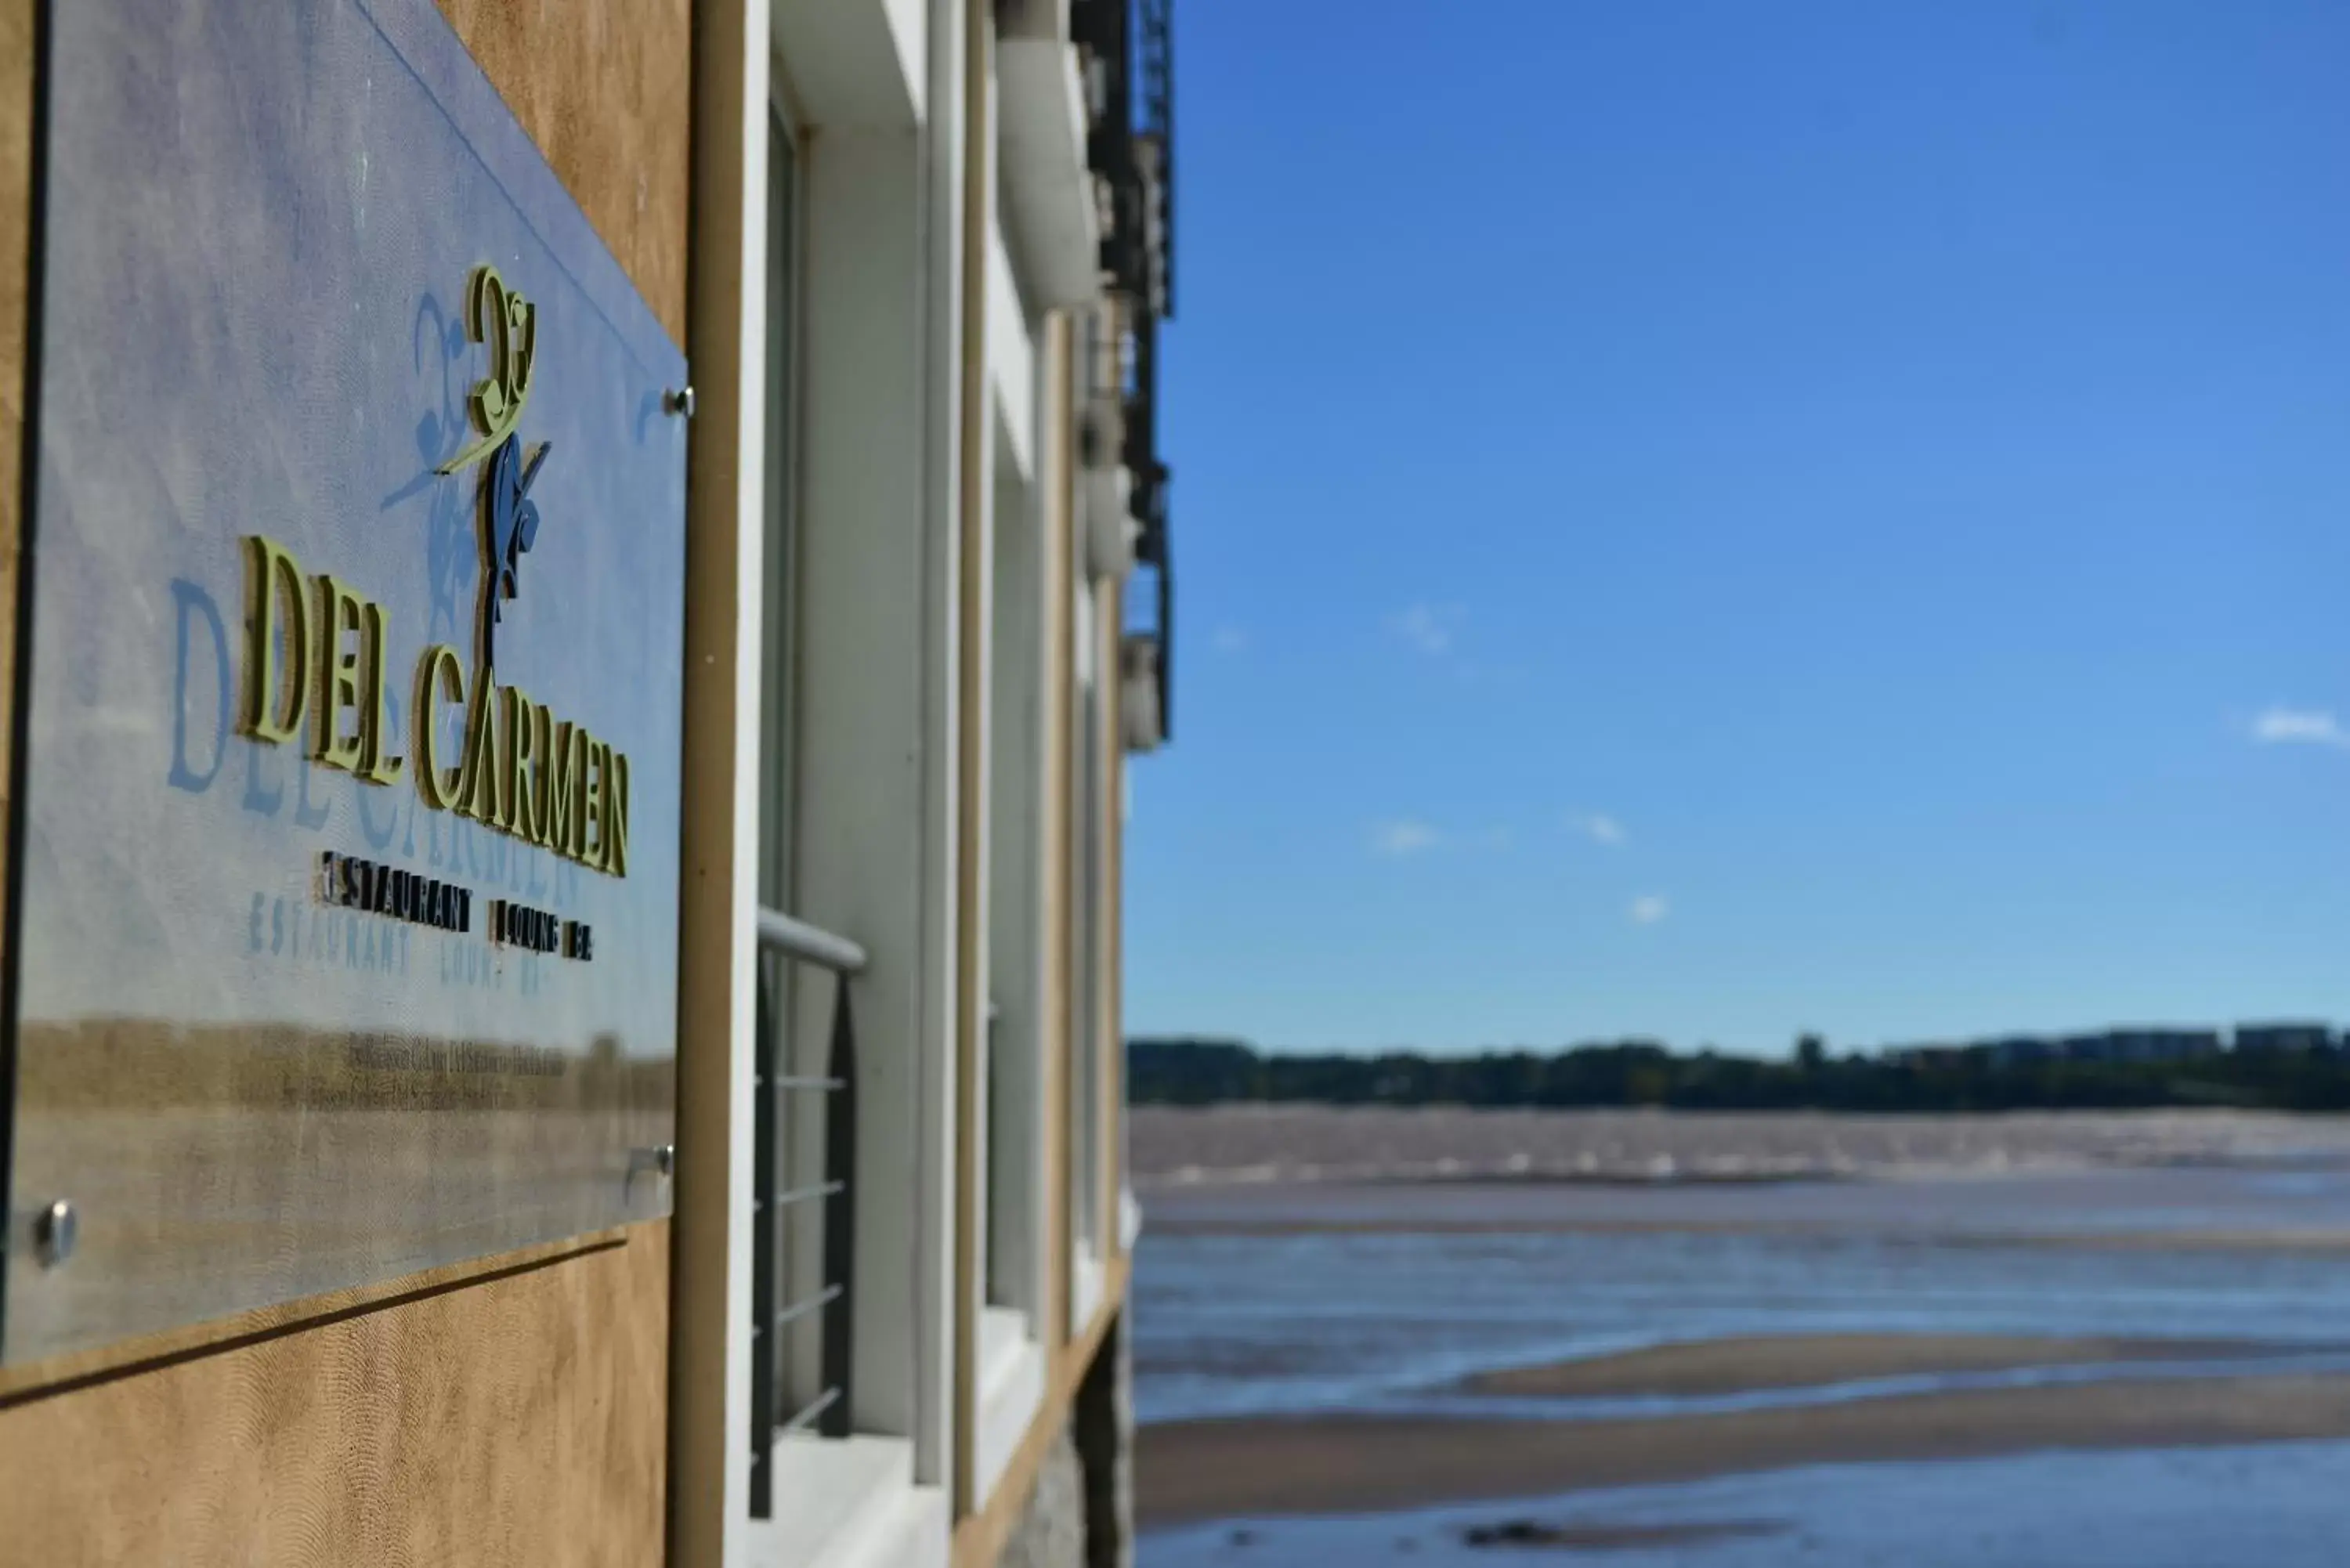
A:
2313,1075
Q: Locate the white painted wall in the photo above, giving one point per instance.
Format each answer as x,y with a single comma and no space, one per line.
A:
877,719
861,63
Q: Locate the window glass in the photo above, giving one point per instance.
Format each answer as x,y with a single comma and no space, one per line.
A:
776,626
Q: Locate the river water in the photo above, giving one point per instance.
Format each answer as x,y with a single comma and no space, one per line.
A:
1274,1298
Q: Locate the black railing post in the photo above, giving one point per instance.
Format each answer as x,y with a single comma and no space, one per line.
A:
839,1208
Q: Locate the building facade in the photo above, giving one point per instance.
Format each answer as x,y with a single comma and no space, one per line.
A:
656,1098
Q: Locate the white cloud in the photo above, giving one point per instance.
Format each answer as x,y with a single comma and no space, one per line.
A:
1599,826
2299,726
1427,627
1403,836
1648,909
1228,639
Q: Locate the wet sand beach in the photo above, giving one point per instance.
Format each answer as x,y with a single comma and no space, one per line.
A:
1191,1470
1745,1365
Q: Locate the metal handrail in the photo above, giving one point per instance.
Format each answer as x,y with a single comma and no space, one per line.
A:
802,1194
782,937
814,943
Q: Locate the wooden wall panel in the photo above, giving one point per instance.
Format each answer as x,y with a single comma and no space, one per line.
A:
519,1420
16,278
604,87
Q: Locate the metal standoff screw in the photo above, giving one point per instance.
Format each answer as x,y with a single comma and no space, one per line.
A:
55,1232
678,401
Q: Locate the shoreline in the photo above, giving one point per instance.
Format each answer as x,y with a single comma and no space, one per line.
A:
2136,1209
2312,1240
1241,1145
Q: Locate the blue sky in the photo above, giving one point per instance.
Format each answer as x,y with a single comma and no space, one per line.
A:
1712,520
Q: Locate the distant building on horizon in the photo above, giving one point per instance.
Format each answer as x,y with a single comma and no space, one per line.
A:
2127,1043
2161,1044
2020,1050
1923,1055
2134,1044
2283,1039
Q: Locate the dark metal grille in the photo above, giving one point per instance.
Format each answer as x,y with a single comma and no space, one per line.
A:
774,1307
1131,145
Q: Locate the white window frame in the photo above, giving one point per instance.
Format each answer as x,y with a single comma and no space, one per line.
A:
1010,1279
869,516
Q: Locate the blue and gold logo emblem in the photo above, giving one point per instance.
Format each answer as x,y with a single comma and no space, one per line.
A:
506,323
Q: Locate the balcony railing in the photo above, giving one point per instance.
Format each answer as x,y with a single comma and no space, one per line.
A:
780,1298
1130,146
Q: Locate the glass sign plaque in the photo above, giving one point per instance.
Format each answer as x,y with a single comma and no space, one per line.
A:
346,935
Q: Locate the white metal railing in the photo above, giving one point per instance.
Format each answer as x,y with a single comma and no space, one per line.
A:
782,939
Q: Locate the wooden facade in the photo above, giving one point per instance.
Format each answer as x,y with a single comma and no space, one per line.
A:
580,1402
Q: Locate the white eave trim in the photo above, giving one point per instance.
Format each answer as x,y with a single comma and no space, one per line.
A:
853,63
1048,192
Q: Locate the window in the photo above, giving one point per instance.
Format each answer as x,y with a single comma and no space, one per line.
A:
776,620
1017,932
1008,1355
799,1292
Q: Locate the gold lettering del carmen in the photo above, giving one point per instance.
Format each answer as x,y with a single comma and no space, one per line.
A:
518,769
